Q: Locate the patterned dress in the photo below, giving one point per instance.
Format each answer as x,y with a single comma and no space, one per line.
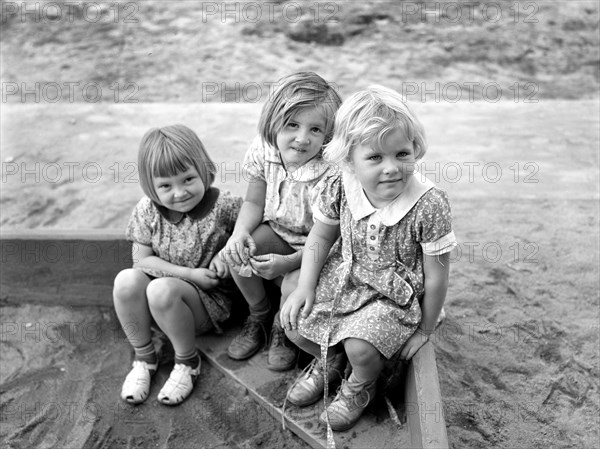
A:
190,240
289,194
372,282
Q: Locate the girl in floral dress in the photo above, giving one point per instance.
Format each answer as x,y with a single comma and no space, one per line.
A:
282,166
177,279
379,289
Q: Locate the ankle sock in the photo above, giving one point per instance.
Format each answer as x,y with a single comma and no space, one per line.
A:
356,384
262,310
191,359
145,353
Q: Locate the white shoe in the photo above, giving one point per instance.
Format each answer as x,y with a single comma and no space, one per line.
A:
136,387
180,384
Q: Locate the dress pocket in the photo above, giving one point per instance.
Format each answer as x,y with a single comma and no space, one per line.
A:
392,285
402,292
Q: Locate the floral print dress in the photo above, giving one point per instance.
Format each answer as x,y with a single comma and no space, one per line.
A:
372,282
289,194
190,240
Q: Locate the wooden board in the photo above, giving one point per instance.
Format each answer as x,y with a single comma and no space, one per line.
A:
78,269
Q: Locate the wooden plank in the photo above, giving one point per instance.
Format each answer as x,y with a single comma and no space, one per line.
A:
424,408
66,268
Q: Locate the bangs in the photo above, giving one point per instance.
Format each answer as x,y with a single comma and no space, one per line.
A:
169,160
376,128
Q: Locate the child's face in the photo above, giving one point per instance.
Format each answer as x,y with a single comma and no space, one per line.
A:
181,192
302,138
384,172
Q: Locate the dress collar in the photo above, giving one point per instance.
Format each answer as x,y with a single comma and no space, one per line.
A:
197,213
360,206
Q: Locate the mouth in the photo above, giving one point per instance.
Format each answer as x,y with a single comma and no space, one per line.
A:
390,181
299,150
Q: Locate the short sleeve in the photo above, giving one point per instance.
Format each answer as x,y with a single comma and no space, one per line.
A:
326,199
142,222
254,161
435,232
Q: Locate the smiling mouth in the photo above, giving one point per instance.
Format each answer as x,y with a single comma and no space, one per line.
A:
390,181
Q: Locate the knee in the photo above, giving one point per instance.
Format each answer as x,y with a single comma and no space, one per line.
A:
361,352
294,337
129,286
160,294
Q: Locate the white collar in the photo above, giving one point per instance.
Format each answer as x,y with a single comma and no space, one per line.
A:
361,207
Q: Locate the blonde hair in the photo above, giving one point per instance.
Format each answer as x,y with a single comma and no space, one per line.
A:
293,93
366,117
171,150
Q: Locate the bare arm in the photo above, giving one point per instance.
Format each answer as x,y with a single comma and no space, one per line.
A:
144,257
250,216
320,240
436,270
271,266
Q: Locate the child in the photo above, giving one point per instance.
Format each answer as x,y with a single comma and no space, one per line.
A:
383,285
176,280
282,165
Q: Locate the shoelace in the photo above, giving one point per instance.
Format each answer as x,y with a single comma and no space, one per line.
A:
307,371
250,326
277,337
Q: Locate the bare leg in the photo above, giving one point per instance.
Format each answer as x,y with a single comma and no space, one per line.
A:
309,346
267,242
178,311
367,362
131,305
253,333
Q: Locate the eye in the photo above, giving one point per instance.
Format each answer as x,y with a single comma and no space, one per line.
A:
403,154
163,186
292,125
374,157
190,179
316,130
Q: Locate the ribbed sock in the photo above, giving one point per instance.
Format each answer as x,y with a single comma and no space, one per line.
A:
262,310
145,353
191,359
357,384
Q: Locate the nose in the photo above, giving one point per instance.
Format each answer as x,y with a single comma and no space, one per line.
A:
391,167
302,137
179,192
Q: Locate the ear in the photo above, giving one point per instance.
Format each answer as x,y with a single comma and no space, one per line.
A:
348,165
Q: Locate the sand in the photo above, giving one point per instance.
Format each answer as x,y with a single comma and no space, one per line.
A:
518,355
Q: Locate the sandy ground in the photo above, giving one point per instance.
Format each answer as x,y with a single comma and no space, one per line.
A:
519,353
517,356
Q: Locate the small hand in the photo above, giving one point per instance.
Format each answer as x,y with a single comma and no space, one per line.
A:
413,344
238,249
219,267
290,309
268,266
204,277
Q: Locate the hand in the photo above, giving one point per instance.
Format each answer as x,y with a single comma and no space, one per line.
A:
238,249
204,277
413,344
268,266
219,267
289,311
